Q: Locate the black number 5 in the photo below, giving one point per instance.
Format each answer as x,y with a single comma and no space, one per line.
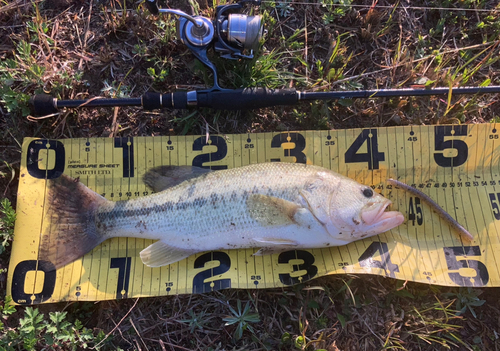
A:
494,205
440,132
454,264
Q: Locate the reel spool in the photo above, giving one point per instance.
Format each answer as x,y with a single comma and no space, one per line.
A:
234,35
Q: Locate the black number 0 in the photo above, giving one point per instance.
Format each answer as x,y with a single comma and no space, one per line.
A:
18,292
33,157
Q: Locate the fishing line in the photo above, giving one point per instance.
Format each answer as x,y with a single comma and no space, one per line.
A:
424,8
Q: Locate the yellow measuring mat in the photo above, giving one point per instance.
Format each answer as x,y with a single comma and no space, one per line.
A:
457,166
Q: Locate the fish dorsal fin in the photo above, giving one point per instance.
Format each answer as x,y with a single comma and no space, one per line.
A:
160,254
164,177
271,211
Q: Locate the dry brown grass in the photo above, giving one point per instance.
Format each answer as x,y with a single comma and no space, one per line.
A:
86,48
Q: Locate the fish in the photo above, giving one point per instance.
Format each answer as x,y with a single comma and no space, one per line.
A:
270,207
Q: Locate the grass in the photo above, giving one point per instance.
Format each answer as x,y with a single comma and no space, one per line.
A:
85,49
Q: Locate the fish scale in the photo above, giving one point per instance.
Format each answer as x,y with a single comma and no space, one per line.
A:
204,210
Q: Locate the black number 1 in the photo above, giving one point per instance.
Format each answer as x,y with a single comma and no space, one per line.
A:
127,145
123,265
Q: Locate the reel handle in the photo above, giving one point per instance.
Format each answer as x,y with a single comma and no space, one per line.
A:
238,99
152,7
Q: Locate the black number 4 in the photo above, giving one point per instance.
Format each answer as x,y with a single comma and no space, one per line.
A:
366,259
415,211
371,156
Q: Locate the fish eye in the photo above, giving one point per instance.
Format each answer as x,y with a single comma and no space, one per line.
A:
367,192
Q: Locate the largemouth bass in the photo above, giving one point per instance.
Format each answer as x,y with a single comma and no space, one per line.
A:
272,207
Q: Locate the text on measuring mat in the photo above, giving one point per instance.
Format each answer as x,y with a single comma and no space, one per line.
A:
92,168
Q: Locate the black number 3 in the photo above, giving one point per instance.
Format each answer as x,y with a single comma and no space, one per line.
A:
307,257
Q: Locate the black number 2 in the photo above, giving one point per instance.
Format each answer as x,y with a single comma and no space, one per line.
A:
199,284
221,152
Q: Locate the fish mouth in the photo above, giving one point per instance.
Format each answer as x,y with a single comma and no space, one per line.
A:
376,214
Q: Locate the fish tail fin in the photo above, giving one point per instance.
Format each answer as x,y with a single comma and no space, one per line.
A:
71,231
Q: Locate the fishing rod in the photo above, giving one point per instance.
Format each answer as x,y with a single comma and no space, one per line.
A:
238,99
234,36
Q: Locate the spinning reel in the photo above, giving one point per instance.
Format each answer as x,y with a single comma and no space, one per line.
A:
232,34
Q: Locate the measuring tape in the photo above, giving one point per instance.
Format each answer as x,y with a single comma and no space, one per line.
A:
458,166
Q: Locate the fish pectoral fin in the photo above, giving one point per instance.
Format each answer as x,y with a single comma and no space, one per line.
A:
274,245
161,254
271,211
164,177
319,212
272,250
276,241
